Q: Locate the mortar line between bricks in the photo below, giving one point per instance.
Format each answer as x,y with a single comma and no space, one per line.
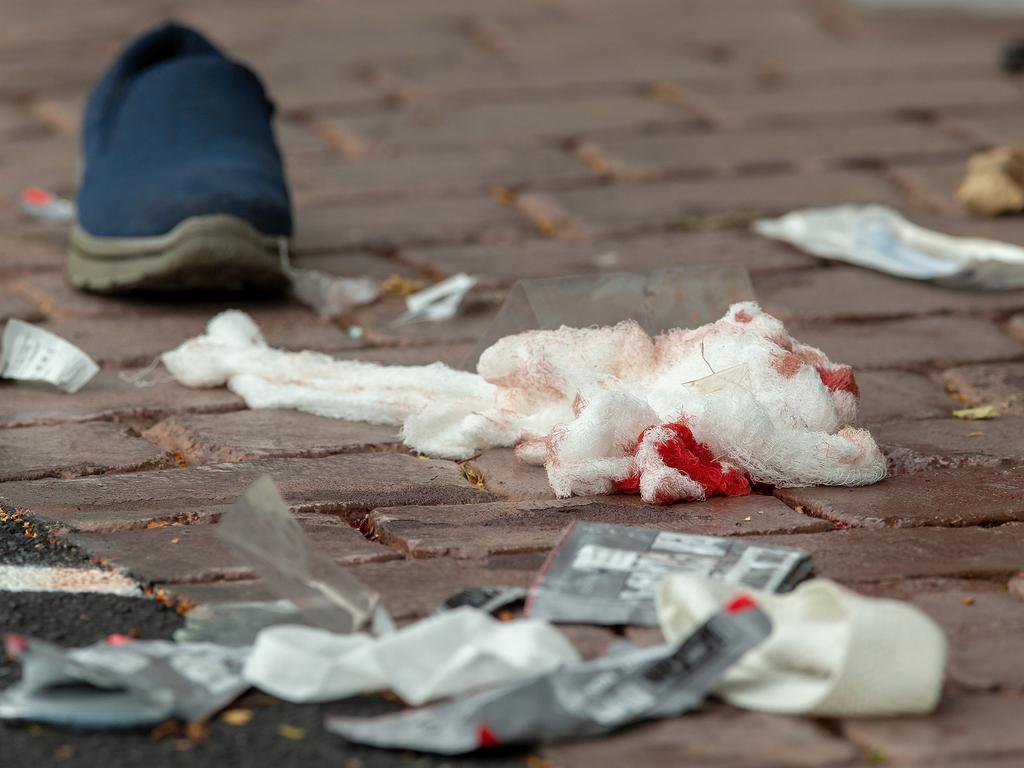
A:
120,418
592,178
837,525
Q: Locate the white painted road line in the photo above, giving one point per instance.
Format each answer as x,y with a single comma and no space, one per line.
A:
38,578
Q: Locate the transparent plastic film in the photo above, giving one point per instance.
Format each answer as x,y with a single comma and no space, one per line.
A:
658,301
262,531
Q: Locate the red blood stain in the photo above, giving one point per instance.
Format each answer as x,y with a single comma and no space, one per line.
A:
742,316
630,484
485,736
741,603
578,404
788,364
839,379
693,459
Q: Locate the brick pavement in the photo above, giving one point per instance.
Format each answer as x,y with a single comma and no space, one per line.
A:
540,138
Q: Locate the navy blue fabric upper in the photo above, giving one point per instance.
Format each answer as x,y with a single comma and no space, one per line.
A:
174,129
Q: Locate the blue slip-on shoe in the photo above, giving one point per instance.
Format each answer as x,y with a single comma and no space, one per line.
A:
183,185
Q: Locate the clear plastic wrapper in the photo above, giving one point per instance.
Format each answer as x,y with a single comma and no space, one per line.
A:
879,238
263,532
122,685
29,353
235,624
657,301
447,654
584,700
608,574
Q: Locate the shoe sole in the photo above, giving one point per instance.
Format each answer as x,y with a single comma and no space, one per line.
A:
215,252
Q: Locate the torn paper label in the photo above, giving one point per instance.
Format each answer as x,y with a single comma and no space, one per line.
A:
31,354
440,301
608,574
879,238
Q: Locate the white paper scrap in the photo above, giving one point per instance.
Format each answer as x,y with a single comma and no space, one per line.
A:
31,354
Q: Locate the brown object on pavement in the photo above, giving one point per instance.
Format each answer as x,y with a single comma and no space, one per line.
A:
994,183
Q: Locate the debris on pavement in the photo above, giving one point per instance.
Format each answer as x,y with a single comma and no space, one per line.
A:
46,206
609,574
1013,58
492,600
879,238
606,410
235,624
977,413
121,684
657,301
51,578
237,717
263,532
29,353
579,701
831,652
441,301
400,286
451,653
330,295
994,183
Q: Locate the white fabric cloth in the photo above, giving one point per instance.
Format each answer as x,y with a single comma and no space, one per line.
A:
577,400
831,652
451,653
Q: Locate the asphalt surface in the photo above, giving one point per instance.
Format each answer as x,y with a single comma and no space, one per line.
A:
278,735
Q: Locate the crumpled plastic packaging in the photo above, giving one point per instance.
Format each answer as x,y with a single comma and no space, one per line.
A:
579,701
994,183
29,353
440,301
879,238
832,652
261,530
609,574
122,685
606,410
446,654
330,295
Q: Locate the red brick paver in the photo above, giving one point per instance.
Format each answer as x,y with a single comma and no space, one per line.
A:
535,139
